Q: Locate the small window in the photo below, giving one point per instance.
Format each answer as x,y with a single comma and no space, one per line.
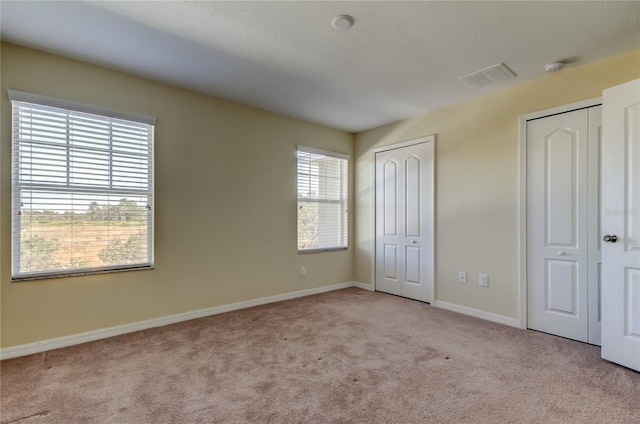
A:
322,200
82,189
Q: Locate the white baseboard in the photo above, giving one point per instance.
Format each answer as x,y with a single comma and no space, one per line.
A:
74,339
501,319
363,286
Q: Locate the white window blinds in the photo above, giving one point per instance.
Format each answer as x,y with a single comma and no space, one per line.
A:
322,200
82,190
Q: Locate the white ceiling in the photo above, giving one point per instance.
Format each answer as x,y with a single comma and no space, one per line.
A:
399,59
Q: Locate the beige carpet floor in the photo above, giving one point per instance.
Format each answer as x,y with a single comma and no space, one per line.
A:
349,356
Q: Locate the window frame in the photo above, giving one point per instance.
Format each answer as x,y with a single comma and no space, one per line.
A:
69,106
344,201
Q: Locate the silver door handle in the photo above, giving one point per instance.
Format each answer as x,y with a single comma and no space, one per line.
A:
610,238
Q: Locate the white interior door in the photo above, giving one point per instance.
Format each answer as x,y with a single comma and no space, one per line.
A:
563,203
557,224
621,219
404,221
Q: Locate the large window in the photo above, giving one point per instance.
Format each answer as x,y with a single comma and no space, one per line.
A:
82,189
322,200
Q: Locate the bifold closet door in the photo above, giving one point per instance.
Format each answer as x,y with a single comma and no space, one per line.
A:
404,180
562,201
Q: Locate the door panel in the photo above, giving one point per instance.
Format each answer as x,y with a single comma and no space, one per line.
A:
561,287
391,262
413,265
390,198
414,201
632,308
404,242
557,224
561,186
632,180
620,202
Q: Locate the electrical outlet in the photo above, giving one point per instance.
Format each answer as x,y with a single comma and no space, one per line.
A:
303,271
483,280
462,277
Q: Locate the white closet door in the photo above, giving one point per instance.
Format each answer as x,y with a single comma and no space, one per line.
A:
404,232
557,218
621,225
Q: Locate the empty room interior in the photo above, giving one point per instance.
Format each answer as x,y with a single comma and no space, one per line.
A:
319,212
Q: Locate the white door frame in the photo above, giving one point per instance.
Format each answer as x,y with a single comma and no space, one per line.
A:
522,207
430,239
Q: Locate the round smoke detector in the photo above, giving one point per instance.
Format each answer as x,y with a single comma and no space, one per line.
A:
554,66
343,22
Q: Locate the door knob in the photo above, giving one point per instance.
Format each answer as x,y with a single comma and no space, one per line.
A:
610,238
414,242
561,252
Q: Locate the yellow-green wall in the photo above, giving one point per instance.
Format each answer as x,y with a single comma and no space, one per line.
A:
225,197
477,188
225,208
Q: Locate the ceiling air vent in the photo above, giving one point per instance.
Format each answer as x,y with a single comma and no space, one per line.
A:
491,75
